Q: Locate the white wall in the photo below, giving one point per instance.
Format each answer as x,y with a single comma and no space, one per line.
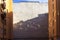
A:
25,11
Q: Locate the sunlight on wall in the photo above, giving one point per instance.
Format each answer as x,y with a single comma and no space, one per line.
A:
25,11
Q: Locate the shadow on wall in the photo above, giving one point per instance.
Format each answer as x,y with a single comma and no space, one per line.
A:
33,28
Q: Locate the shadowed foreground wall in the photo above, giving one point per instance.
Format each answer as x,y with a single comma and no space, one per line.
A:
58,18
8,27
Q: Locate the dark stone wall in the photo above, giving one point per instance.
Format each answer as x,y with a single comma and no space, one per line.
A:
33,28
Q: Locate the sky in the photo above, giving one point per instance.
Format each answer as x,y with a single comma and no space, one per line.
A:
16,1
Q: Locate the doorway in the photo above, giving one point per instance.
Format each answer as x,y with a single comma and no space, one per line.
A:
30,20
